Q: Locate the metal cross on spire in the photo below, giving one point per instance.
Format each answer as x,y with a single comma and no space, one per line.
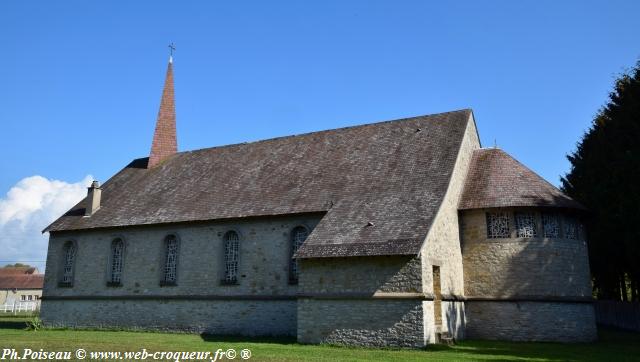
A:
172,48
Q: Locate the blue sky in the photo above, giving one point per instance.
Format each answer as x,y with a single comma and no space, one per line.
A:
81,81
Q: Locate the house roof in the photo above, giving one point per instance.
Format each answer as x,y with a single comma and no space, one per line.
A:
17,270
495,179
21,281
392,174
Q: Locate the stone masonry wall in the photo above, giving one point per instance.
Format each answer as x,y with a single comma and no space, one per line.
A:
525,289
263,271
531,321
442,246
371,323
538,267
248,318
339,304
360,275
454,319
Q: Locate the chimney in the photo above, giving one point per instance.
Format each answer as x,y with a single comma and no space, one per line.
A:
93,198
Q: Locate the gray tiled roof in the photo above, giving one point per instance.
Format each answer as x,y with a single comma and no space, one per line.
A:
392,174
495,179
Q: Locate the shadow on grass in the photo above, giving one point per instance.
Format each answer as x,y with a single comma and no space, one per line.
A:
258,339
490,349
493,350
612,345
6,323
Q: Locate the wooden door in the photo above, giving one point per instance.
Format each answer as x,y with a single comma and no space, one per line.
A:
437,297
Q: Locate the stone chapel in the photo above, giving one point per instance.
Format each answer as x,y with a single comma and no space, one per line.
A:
398,233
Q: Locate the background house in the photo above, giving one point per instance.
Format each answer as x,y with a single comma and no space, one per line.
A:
20,284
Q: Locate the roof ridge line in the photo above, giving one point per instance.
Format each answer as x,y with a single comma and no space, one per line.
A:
323,131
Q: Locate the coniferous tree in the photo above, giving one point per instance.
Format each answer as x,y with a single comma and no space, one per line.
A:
605,177
17,265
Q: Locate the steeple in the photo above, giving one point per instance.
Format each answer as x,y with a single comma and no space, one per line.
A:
165,141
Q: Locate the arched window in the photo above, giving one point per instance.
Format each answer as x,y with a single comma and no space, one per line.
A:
169,273
115,267
69,255
298,236
231,251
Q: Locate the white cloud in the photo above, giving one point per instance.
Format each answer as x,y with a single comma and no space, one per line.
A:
29,206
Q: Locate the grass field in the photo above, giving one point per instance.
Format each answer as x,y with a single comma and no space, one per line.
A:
612,346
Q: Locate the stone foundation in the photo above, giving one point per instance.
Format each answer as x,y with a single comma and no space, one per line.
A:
247,318
531,321
370,323
454,319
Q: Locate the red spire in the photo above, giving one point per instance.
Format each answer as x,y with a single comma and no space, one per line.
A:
165,141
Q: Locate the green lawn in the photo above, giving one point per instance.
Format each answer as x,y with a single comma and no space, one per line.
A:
612,346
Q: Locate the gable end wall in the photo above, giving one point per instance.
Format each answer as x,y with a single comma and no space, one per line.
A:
442,247
391,302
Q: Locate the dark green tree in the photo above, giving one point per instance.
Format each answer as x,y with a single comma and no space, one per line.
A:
605,177
17,265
